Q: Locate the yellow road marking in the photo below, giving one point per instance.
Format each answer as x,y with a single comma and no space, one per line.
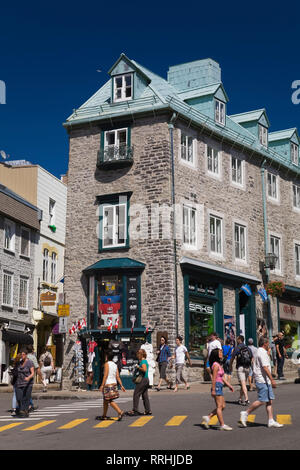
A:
9,426
106,424
39,425
176,421
251,418
284,419
73,424
141,421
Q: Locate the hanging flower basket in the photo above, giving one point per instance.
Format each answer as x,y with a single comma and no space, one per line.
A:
52,227
275,288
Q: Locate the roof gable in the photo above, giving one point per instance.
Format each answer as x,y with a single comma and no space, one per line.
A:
259,115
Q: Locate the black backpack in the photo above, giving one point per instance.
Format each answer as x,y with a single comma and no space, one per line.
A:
47,361
244,357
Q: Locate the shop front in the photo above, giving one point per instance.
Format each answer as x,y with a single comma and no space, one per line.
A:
114,318
13,337
214,300
289,318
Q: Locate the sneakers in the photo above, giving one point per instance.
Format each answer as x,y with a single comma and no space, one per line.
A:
243,419
225,428
205,421
274,424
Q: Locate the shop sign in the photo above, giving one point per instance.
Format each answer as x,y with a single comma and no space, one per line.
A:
16,326
132,298
289,312
63,310
63,325
48,299
37,315
202,288
201,308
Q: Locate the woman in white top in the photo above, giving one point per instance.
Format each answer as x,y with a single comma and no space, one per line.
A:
109,387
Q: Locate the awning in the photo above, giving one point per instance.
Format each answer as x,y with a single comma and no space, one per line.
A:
217,270
115,264
15,337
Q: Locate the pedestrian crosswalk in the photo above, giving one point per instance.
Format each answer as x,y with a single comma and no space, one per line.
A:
174,421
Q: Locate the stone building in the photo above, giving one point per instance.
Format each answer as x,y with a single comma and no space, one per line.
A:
19,233
174,208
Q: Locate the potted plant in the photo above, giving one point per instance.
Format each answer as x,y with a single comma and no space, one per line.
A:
275,288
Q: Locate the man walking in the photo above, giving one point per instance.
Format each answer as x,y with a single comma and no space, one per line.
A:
264,385
32,357
213,343
180,354
243,356
280,355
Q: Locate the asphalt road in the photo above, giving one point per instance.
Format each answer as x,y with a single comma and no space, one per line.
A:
175,425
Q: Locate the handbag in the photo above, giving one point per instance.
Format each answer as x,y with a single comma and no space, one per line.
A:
137,377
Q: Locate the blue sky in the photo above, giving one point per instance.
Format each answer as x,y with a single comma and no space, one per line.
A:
50,54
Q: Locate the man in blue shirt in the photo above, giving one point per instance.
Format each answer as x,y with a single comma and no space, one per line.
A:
163,357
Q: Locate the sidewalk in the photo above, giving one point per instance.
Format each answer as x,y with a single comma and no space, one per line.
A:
54,392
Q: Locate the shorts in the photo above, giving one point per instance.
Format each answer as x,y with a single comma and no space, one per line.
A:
227,368
219,389
243,374
250,372
162,369
265,392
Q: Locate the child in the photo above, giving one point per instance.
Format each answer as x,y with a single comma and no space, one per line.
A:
217,371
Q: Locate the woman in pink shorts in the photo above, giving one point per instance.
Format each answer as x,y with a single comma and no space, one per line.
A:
215,362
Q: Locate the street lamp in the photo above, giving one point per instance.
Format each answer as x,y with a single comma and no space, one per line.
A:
270,261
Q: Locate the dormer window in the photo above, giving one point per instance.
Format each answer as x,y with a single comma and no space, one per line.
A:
220,112
123,87
294,153
263,135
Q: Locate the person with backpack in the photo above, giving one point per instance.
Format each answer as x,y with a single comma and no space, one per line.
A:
243,356
227,352
46,366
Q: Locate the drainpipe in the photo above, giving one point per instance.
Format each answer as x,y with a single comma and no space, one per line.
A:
171,129
267,270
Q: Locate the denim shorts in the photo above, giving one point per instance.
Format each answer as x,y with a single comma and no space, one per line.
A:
219,389
265,392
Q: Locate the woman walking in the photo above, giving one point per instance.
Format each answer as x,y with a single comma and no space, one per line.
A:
109,388
217,371
14,376
141,388
24,383
163,357
180,354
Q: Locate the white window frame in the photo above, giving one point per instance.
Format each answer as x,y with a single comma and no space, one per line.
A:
297,258
263,135
234,162
296,196
114,244
12,239
11,276
215,156
45,274
53,268
219,252
52,210
276,239
116,133
187,149
25,229
123,88
272,182
240,226
24,279
220,112
190,228
294,153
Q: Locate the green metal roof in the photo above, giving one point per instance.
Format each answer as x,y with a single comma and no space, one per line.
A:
115,264
286,134
250,116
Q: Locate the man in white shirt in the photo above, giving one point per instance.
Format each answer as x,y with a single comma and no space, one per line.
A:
180,354
264,385
213,343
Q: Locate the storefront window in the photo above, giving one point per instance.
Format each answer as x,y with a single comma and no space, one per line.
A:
201,326
109,304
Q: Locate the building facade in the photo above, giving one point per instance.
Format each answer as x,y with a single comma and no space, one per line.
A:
19,234
174,208
49,194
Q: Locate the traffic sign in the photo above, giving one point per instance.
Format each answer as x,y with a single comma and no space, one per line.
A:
63,310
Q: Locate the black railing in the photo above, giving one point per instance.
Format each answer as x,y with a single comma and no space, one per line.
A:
115,155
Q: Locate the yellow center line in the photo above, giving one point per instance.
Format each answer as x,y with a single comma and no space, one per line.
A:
141,421
9,426
176,421
284,419
73,424
39,425
106,423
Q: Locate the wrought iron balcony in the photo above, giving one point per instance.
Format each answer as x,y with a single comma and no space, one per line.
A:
115,156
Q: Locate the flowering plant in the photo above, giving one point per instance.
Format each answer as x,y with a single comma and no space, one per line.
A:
275,288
